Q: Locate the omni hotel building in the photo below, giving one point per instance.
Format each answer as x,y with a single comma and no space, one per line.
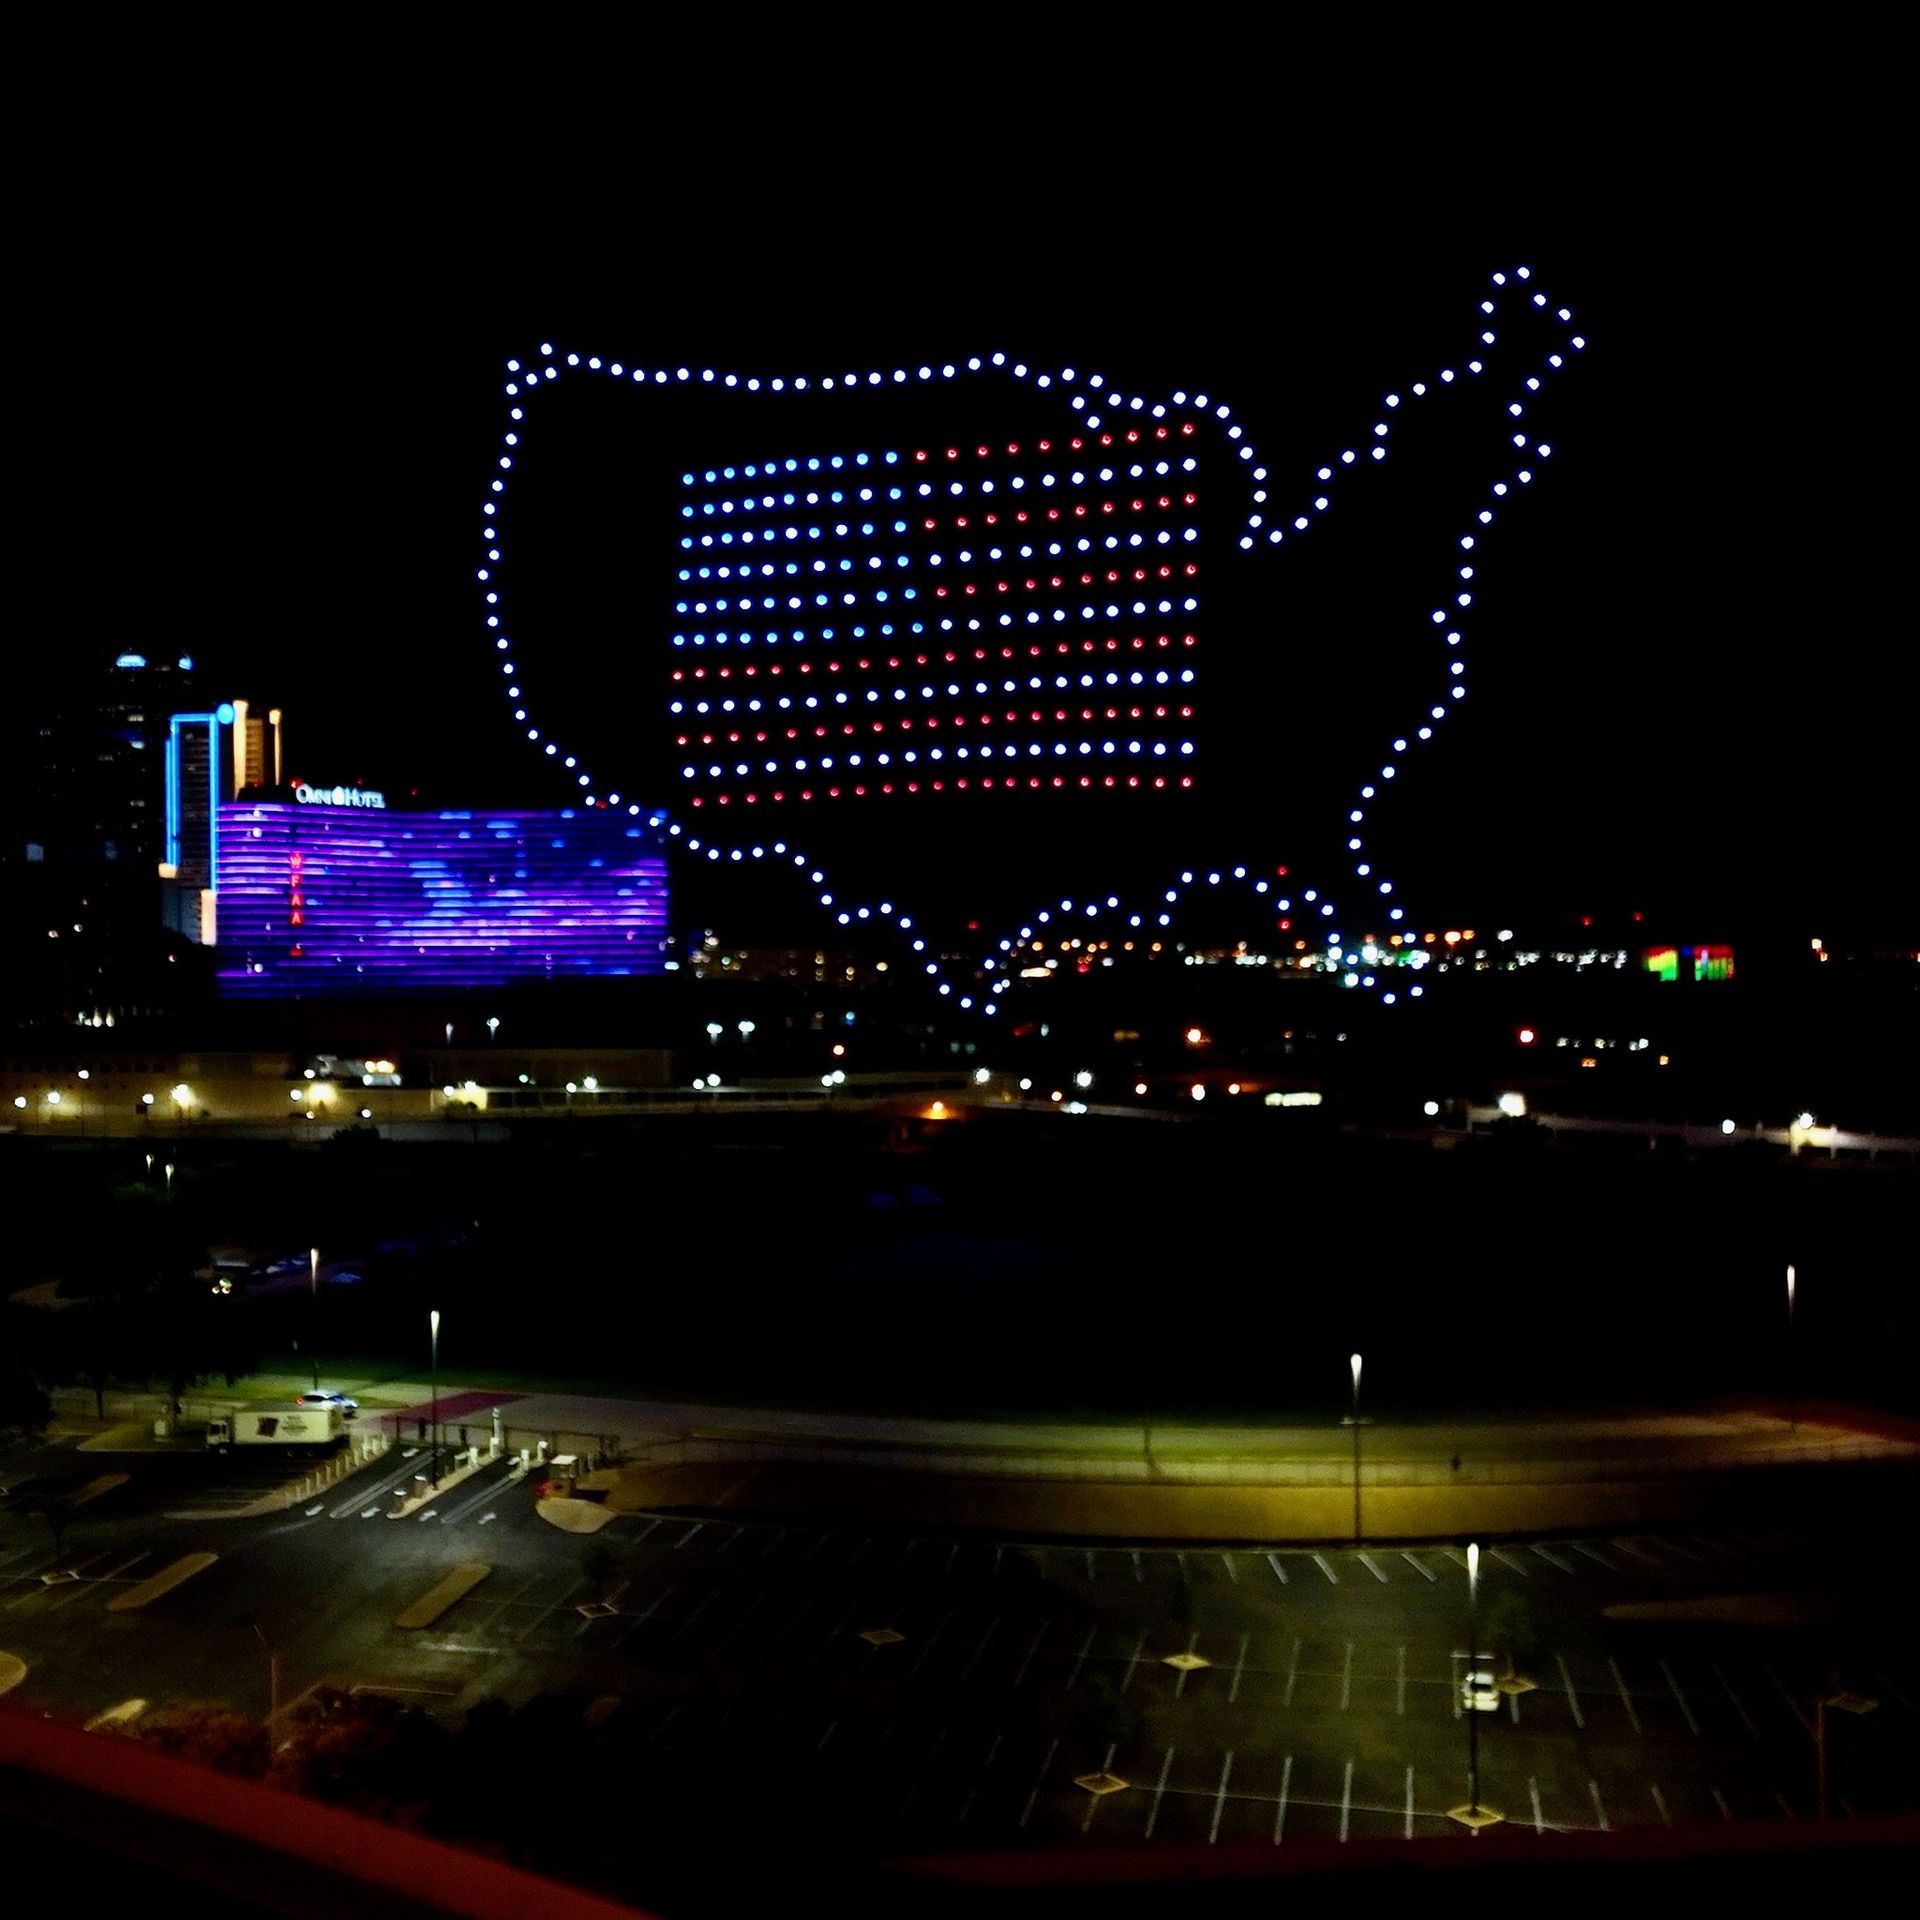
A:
306,891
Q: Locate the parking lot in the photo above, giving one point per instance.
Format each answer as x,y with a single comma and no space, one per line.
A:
913,1691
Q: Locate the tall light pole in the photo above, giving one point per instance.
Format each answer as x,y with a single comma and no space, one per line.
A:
1793,1357
1473,1655
1353,1421
433,1465
313,1313
1473,1816
273,1682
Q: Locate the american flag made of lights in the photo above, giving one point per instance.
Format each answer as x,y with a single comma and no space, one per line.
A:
989,616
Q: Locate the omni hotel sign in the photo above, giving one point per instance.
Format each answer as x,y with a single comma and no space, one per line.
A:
339,796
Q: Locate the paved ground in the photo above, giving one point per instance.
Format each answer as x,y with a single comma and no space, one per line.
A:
749,1702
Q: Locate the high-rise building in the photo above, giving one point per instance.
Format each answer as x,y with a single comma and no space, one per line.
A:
210,758
98,781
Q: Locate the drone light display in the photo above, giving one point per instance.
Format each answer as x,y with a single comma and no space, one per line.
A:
978,616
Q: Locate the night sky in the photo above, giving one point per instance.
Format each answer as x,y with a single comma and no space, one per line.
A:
1683,667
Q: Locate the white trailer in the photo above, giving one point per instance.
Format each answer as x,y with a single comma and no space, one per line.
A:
315,1429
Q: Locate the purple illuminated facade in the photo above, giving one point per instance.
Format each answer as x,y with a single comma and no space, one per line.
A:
318,900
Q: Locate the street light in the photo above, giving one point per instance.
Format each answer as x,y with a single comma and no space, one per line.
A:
1473,1816
1793,1370
493,1027
1354,1421
313,1315
433,1464
1847,1703
273,1682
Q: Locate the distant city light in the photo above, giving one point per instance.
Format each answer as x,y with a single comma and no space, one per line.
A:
1528,1036
1726,1126
1431,1109
1199,1092
1513,1105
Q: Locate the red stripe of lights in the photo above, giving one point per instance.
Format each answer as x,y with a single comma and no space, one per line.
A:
1131,438
851,730
1033,652
1020,517
981,783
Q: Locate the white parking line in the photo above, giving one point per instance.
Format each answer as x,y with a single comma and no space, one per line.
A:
1786,1805
1458,1558
820,1745
1239,1667
1593,1553
1894,1687
1319,1560
1180,1685
1226,1560
697,1527
1080,1658
1279,1572
1139,1572
1660,1801
640,1619
1026,1812
759,1601
732,1539
1091,1575
1094,1799
1726,1687
1669,1545
1159,1790
1599,1805
1533,1794
1419,1566
1133,1660
1185,1576
1346,1679
1553,1559
961,1818
953,1553
1799,1712
920,1772
1509,1562
1407,1831
1372,1566
946,1619
1280,1812
1220,1798
1346,1802
1031,1651
973,1659
565,1600
1400,1684
1720,1801
1626,1699
1627,1546
1573,1699
1681,1698
866,1540
1293,1673
687,1625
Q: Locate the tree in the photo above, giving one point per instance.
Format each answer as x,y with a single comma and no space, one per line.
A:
209,1733
25,1409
